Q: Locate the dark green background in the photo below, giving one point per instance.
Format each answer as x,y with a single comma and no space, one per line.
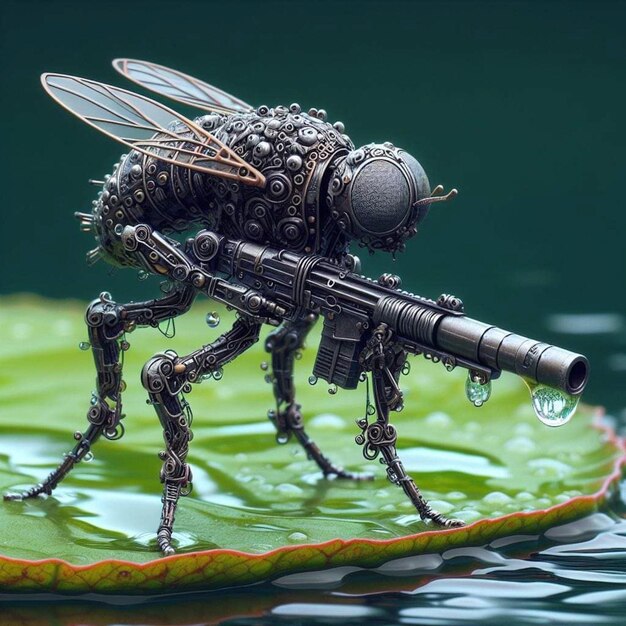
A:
520,105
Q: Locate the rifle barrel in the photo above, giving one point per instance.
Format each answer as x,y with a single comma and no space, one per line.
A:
349,301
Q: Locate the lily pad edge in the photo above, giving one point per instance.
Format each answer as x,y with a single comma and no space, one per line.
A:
222,567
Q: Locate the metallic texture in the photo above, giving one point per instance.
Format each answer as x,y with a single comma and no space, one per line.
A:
270,198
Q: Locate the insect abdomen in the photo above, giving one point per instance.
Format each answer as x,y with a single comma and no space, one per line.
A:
142,189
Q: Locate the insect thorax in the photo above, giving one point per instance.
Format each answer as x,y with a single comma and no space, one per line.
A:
295,151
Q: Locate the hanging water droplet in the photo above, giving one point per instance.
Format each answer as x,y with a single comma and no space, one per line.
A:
297,355
282,438
312,380
94,399
264,366
206,376
124,345
476,392
552,406
88,457
122,385
212,319
371,409
267,378
218,374
332,390
142,274
84,345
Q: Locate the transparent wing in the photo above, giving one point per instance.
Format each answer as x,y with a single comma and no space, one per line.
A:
148,127
179,86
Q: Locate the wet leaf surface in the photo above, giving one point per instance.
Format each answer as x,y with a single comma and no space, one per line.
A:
260,511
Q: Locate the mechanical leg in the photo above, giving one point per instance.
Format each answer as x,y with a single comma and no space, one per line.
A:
166,377
107,323
283,344
379,437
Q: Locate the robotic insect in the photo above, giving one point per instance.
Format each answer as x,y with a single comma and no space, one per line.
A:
274,197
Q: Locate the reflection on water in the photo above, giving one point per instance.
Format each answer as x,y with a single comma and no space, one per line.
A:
573,574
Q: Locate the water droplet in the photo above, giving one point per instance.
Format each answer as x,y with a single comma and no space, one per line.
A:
88,457
212,319
524,496
332,390
312,380
122,385
264,366
477,393
298,355
218,374
124,345
267,378
297,537
94,399
289,489
282,438
84,345
552,406
371,409
142,274
497,498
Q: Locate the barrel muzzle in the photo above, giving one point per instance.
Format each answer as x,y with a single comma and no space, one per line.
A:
501,350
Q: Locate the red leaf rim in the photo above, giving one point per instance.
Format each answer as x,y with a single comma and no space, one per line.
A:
221,567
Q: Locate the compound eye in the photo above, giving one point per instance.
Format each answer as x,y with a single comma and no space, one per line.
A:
422,186
380,198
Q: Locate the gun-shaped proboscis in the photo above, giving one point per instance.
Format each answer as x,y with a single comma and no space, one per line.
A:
369,327
372,325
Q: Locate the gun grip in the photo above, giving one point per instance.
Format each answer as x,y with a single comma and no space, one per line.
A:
337,358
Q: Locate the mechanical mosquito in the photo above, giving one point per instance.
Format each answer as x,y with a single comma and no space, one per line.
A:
272,197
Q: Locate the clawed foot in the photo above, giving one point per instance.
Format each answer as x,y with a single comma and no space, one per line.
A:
440,520
12,496
164,539
33,492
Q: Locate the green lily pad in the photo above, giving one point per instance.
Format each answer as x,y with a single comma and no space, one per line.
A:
260,510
